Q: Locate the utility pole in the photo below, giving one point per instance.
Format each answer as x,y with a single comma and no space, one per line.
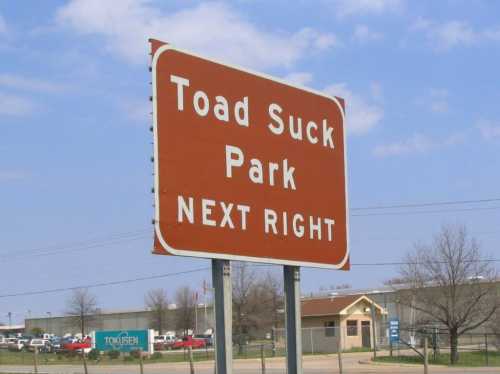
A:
49,322
205,324
196,315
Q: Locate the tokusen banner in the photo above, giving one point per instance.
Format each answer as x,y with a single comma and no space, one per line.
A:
247,167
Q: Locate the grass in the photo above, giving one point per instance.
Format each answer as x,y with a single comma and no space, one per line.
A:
27,358
472,359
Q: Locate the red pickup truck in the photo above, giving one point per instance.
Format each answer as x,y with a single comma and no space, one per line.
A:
85,345
189,341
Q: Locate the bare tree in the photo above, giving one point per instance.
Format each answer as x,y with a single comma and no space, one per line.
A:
156,300
451,283
185,301
257,302
81,306
244,287
271,301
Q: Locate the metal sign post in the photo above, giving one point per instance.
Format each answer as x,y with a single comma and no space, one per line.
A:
293,322
221,280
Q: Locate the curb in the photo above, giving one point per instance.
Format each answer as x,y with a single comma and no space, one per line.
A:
394,364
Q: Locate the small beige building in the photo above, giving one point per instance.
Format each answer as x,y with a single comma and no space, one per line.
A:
344,319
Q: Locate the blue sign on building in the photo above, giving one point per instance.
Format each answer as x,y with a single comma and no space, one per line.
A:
123,340
394,330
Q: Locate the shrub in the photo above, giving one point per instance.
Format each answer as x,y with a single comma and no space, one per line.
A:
156,356
94,354
136,353
71,354
113,354
128,359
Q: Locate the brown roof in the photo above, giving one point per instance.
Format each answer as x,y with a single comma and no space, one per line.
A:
327,306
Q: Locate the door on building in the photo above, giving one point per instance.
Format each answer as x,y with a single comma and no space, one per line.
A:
366,334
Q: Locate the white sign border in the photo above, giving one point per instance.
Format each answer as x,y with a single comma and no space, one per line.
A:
209,255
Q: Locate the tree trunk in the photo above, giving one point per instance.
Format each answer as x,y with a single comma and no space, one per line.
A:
453,346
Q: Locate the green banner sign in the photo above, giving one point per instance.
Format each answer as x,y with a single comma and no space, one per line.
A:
122,340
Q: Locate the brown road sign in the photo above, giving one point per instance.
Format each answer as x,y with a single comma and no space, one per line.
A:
247,167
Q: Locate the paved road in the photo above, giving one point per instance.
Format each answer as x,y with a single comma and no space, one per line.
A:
312,365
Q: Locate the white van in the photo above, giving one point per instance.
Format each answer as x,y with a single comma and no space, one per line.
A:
165,339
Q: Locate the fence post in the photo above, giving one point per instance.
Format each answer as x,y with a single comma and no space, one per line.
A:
426,357
141,363
85,369
273,348
263,359
339,350
312,341
35,359
191,362
486,348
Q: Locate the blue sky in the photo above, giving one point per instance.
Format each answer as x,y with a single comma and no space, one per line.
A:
421,82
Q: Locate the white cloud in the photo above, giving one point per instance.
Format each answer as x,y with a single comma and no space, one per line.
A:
361,114
212,29
300,78
361,7
489,130
417,143
363,34
450,34
29,84
13,105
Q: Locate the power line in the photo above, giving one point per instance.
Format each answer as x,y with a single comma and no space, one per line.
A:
419,205
166,275
492,260
132,235
103,284
114,236
424,212
65,250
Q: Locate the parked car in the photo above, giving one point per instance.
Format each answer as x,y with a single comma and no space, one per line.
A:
207,337
55,344
36,344
18,345
78,346
162,342
164,338
6,342
189,341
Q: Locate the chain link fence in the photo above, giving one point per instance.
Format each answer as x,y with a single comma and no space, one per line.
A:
473,349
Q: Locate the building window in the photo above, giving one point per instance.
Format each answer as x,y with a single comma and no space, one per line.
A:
352,328
330,328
